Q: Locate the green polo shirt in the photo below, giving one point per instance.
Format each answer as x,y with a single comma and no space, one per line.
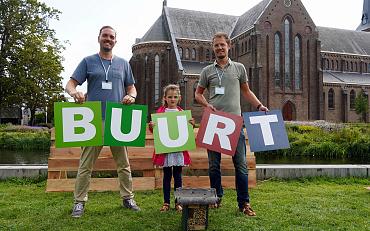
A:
231,76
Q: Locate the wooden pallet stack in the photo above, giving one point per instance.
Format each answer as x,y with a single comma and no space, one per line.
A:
63,161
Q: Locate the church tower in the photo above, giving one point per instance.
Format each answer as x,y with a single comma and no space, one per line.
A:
365,20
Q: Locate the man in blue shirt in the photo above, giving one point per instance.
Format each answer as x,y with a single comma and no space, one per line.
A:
109,78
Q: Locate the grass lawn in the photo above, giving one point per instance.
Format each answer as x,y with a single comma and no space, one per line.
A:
306,204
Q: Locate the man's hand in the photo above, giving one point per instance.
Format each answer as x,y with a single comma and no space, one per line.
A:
78,96
128,99
262,108
211,107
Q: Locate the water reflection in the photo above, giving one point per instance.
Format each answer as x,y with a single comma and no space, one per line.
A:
23,157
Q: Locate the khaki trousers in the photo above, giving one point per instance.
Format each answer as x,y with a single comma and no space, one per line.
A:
88,158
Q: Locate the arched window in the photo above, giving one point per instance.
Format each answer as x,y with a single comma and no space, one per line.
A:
332,65
242,51
187,53
246,45
297,63
356,67
156,79
337,65
351,66
331,96
208,55
347,66
277,60
352,97
249,44
287,75
180,52
193,54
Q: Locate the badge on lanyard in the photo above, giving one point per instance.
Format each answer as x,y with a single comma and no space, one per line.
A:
219,90
106,85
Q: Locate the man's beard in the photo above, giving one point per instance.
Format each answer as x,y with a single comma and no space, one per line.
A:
106,49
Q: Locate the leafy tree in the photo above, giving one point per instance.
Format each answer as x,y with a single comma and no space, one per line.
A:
30,55
362,106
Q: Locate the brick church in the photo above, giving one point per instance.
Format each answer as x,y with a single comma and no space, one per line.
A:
308,72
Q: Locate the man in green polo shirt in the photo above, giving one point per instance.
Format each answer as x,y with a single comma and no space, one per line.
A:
224,81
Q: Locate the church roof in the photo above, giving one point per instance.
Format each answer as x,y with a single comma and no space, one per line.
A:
156,32
199,25
346,78
194,67
344,41
249,18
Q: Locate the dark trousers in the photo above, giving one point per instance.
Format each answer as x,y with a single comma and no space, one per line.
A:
168,172
241,172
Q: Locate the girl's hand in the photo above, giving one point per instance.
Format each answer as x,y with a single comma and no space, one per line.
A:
192,121
151,125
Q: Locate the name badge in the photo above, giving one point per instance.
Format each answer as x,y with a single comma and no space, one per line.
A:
219,90
106,85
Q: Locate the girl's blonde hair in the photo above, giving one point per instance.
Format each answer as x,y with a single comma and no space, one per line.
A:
170,87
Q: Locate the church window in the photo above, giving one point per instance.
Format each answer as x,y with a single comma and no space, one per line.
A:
187,53
332,65
249,44
180,52
337,65
208,55
193,54
242,51
331,98
287,49
297,63
356,67
277,60
246,46
351,66
352,97
347,65
156,79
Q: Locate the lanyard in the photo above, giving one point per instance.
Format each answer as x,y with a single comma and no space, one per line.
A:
220,77
106,70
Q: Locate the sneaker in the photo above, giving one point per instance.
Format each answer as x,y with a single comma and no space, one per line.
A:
247,210
78,210
217,204
130,204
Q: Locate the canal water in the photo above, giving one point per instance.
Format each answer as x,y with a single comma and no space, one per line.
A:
8,157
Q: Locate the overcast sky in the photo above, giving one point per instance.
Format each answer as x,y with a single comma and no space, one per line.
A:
81,20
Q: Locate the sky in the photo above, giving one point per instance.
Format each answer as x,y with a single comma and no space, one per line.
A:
80,21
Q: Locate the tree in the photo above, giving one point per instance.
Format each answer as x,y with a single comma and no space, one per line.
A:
362,106
30,55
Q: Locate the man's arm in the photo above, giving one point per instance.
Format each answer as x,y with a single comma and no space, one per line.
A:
251,97
130,96
199,97
78,96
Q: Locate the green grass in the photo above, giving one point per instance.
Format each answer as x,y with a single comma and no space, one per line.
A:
306,204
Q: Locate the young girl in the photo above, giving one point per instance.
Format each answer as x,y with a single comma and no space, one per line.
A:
172,163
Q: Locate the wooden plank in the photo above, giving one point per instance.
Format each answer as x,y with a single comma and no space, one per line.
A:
101,164
99,184
226,163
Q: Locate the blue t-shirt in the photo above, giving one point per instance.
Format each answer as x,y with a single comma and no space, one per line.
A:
91,69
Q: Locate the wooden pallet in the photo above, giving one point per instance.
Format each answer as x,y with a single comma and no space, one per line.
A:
64,161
